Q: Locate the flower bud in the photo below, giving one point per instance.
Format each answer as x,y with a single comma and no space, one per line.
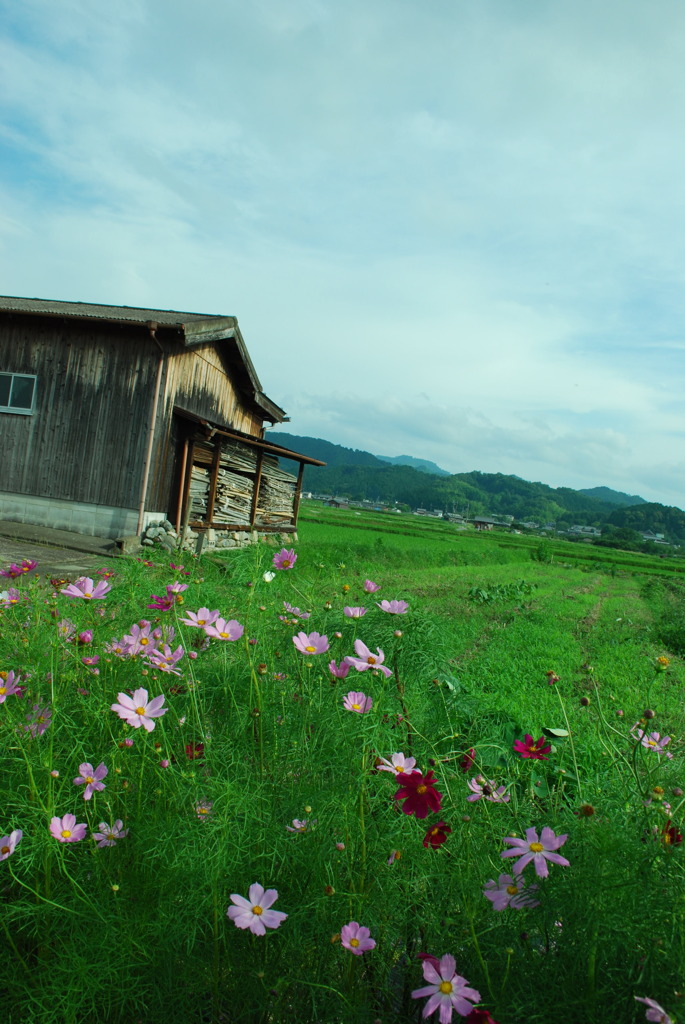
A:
648,713
584,702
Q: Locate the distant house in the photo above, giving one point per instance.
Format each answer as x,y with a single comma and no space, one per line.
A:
483,523
112,417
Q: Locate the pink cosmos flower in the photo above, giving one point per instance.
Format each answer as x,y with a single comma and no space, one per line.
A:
358,702
394,856
510,892
300,825
105,573
339,671
8,844
225,629
393,607
398,764
8,598
166,659
365,659
8,686
66,830
139,640
92,660
109,834
284,559
162,603
654,742
654,1012
297,612
91,778
66,628
179,568
312,643
537,850
370,587
488,790
356,938
254,912
354,613
39,720
84,587
203,808
137,711
85,637
176,588
447,990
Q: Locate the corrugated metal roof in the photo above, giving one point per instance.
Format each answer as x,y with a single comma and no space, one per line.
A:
95,311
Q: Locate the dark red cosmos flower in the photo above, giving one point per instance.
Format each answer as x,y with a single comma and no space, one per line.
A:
670,834
479,1017
468,759
535,749
419,794
195,751
436,835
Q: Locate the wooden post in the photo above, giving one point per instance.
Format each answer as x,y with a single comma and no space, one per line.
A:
182,487
211,498
186,493
257,485
298,494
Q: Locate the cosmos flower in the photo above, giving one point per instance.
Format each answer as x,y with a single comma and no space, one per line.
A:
85,588
354,613
370,587
398,764
39,720
488,790
509,892
447,990
137,710
366,660
436,835
534,749
298,825
339,671
66,830
654,1012
8,844
284,559
222,629
109,834
166,659
297,612
254,912
393,607
654,742
356,938
203,808
91,778
8,685
419,794
201,618
539,851
357,701
312,643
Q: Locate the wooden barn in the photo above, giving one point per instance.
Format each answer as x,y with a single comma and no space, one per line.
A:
112,417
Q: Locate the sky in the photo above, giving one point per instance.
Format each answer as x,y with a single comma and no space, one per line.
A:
452,229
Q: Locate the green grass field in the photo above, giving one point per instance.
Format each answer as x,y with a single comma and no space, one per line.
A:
261,770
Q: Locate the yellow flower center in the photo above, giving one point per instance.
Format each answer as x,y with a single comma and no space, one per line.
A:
65,834
140,711
87,595
354,942
201,622
446,987
536,847
285,564
356,707
257,911
512,890
89,778
40,719
224,636
371,660
399,768
421,789
3,690
111,837
202,810
310,649
144,641
5,850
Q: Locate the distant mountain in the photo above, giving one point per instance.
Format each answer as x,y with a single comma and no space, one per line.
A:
613,497
423,465
357,474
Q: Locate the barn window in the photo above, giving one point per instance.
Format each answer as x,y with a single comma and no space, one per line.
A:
17,392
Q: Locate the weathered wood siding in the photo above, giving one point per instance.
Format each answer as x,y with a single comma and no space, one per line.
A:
86,438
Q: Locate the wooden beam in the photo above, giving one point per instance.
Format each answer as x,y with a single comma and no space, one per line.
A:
214,475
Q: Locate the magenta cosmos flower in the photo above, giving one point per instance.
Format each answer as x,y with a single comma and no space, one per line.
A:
370,587
284,559
339,671
654,1012
8,844
356,938
66,830
223,629
365,659
84,587
447,990
109,834
8,685
510,892
137,710
91,778
487,789
419,794
311,643
393,607
359,702
398,764
539,851
254,912
535,749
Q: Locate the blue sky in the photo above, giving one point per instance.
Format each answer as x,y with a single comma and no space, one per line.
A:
449,229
